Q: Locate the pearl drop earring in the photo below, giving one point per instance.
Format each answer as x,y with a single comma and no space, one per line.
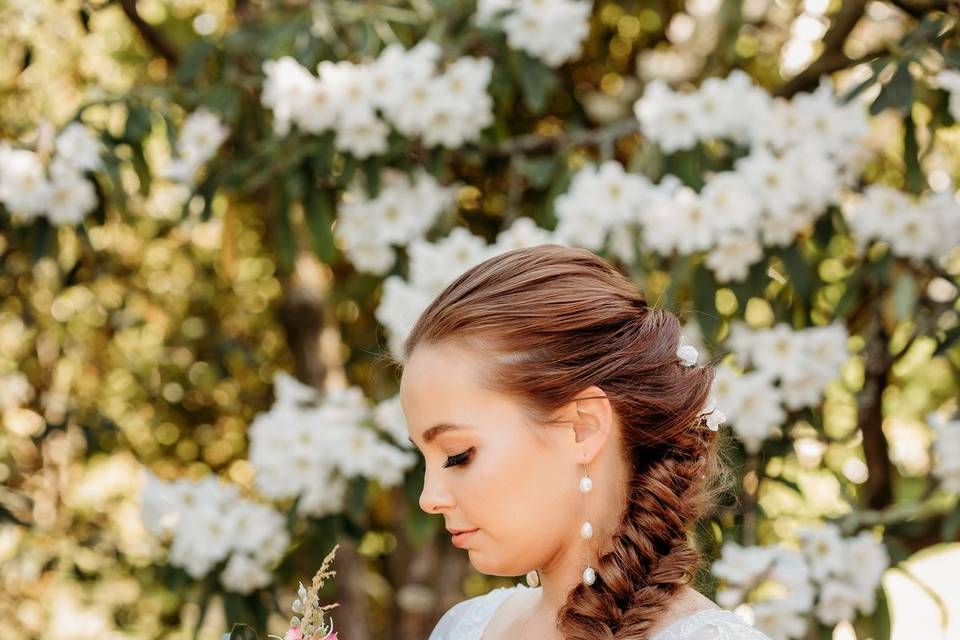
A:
586,530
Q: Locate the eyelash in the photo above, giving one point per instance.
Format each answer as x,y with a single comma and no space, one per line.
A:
459,459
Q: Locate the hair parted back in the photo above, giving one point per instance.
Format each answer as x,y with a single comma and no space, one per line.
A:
550,321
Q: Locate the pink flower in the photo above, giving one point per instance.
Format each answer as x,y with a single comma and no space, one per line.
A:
293,633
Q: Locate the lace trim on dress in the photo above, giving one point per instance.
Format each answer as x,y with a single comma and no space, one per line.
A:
468,619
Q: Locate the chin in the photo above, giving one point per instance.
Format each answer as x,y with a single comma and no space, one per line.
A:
486,567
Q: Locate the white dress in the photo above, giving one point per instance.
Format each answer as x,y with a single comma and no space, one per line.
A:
466,621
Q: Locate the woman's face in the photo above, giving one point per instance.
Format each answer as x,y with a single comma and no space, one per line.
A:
520,492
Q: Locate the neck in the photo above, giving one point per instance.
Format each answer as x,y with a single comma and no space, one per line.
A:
603,508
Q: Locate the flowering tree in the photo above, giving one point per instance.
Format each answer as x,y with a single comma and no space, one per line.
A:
233,192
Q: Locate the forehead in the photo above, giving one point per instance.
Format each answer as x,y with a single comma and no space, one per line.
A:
443,384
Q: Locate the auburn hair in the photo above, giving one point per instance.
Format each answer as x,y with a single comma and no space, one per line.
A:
549,321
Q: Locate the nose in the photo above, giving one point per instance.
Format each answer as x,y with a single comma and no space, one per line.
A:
434,496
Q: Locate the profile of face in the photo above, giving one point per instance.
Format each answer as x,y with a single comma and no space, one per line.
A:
491,472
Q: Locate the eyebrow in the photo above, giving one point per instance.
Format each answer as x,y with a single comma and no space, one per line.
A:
431,434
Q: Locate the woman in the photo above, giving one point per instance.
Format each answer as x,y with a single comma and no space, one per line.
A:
569,438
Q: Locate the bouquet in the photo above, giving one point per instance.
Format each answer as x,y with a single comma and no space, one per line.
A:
308,622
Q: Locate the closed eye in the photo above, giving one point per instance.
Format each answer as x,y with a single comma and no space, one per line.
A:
459,459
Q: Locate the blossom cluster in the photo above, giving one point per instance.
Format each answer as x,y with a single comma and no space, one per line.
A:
803,361
433,265
800,154
830,576
448,108
310,447
405,208
551,30
946,450
197,142
207,521
928,227
735,109
58,190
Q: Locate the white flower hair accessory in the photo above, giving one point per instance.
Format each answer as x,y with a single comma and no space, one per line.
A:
687,354
714,416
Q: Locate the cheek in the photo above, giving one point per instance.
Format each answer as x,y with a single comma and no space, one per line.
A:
521,496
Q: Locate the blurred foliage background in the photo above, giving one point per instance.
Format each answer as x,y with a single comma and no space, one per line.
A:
147,332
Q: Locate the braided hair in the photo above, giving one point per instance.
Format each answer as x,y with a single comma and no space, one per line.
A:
555,320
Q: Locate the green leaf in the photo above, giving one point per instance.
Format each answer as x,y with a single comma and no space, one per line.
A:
318,214
537,82
679,274
951,526
208,587
880,621
537,170
207,190
225,100
435,162
283,230
193,61
915,180
802,275
235,608
371,172
323,156
704,301
138,124
142,169
847,302
43,232
356,499
898,92
949,339
242,632
689,166
904,296
347,171
928,28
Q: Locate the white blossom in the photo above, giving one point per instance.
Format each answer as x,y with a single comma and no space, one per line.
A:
79,147
600,198
552,30
24,187
732,256
361,100
946,450
208,521
308,446
928,228
403,211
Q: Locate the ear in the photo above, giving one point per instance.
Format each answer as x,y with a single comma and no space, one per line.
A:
591,416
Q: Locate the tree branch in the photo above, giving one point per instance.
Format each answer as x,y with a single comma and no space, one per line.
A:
534,142
919,9
150,34
878,490
832,58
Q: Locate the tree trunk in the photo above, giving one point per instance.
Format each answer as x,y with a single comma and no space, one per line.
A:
303,315
878,490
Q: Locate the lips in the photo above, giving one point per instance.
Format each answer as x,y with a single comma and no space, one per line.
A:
454,532
461,538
